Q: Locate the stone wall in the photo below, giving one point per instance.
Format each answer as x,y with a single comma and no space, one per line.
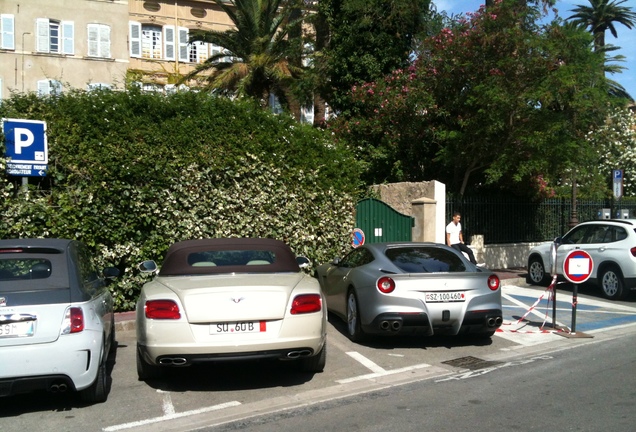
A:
401,195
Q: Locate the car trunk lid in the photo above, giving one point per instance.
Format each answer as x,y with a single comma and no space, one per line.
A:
235,297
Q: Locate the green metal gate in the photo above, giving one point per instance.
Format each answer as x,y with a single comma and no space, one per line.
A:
381,223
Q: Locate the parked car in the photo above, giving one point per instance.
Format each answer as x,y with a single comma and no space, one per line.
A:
397,288
610,242
57,324
229,299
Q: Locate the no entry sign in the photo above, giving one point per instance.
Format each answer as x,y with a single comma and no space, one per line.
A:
577,266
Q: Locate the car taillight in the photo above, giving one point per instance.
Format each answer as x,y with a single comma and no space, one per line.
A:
73,321
386,285
493,282
162,309
633,251
306,303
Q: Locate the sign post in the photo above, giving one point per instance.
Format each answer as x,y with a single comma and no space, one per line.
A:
577,268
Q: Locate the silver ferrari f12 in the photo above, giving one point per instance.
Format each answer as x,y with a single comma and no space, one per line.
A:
398,288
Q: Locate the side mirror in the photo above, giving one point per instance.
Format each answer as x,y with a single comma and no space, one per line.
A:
303,262
110,272
336,261
148,266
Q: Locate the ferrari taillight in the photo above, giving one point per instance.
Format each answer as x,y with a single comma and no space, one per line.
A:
162,309
493,282
73,321
633,251
306,303
386,285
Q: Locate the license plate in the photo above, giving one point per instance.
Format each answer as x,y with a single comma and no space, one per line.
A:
238,327
17,329
443,297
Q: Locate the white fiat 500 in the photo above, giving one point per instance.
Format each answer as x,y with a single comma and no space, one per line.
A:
226,300
56,319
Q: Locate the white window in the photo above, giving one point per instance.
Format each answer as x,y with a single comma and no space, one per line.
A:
151,42
7,32
98,86
49,87
198,52
135,39
99,40
55,36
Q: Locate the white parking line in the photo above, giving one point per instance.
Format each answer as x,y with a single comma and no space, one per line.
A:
366,362
384,373
170,417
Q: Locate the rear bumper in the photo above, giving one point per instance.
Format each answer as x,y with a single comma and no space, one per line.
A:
474,322
71,361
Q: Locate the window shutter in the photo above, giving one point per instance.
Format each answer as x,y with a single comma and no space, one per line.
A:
135,39
42,37
44,89
7,32
183,44
168,32
68,35
93,40
104,41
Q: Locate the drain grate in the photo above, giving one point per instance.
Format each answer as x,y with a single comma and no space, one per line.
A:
470,362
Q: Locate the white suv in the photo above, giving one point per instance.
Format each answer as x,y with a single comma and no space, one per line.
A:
612,246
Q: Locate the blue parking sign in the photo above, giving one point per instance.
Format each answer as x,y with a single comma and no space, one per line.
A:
26,148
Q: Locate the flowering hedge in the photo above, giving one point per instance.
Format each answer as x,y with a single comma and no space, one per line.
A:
130,173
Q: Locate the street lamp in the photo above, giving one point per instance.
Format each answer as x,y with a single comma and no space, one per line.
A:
23,34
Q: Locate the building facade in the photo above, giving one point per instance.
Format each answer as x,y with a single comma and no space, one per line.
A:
47,46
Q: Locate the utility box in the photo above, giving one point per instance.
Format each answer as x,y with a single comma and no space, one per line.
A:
622,214
605,213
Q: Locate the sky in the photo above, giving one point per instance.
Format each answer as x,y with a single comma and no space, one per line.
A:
626,37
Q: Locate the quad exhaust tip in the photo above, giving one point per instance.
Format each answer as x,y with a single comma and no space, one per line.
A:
391,325
494,321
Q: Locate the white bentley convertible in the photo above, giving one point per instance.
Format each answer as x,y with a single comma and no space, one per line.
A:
230,299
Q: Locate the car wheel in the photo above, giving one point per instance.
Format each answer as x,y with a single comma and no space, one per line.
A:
612,283
145,371
536,271
315,363
354,328
98,391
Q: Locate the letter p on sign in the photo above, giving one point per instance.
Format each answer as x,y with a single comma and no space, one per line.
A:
23,138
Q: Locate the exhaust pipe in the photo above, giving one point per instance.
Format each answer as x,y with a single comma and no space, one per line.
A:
385,325
58,388
396,325
494,321
298,354
178,361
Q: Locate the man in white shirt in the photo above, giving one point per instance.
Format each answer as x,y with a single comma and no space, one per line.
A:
455,239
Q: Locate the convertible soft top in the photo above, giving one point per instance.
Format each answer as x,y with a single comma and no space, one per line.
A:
228,255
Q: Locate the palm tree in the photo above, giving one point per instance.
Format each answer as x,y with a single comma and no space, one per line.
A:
601,16
255,60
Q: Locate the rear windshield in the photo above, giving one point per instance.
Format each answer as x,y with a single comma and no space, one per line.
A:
24,269
32,269
425,259
236,257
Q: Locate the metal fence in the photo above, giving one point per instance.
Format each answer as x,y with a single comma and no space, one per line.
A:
509,219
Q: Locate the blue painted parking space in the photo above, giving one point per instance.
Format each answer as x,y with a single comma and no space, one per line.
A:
536,307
